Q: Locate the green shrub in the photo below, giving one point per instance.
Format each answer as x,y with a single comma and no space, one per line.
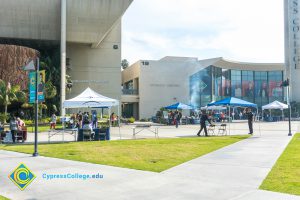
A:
28,122
47,120
131,120
3,117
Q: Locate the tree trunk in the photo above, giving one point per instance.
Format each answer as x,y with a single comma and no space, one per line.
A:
5,109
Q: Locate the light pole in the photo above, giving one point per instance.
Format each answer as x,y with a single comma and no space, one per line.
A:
30,66
286,84
35,153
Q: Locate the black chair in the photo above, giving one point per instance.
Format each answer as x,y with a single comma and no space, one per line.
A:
222,129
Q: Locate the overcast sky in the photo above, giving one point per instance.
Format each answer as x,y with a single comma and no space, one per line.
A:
241,30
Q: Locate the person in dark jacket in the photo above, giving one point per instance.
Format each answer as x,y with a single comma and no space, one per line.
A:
203,119
249,116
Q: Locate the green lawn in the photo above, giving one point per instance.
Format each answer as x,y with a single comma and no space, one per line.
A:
42,128
148,154
285,175
3,198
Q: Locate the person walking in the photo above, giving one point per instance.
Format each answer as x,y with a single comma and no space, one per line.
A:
203,119
13,128
53,121
249,116
176,118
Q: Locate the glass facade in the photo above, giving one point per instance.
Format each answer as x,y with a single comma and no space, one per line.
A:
214,83
201,87
236,83
275,80
248,86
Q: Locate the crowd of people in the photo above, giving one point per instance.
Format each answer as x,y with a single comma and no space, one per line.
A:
174,118
81,119
17,128
209,117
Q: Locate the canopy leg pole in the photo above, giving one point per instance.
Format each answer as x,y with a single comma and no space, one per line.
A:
119,121
259,122
229,120
109,120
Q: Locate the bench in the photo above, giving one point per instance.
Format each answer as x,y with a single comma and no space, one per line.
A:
140,127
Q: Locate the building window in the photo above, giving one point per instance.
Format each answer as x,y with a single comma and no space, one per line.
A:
217,77
275,89
261,88
226,83
247,86
145,62
236,87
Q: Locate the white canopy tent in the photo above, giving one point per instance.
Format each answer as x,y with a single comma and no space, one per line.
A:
275,105
91,99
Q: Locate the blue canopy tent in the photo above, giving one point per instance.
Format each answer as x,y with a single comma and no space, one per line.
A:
233,102
180,106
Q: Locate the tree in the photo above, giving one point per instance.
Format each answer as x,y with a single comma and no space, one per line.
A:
124,64
50,90
9,94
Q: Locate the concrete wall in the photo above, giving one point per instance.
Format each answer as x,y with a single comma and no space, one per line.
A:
131,72
30,19
97,68
162,83
88,21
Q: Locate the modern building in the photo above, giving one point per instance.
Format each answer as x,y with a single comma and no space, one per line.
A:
149,85
87,32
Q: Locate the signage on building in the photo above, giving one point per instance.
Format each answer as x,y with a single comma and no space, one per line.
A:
294,33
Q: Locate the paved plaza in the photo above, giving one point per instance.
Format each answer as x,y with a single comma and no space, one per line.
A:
234,172
126,131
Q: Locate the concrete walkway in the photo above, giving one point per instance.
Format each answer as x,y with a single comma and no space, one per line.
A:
234,172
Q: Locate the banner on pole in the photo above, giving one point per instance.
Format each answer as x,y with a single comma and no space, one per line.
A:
41,86
31,87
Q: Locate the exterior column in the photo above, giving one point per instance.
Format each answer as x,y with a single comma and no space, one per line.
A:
63,55
287,72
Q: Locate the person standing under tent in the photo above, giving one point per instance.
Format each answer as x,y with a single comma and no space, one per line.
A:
176,118
112,119
241,115
94,119
79,119
249,116
203,119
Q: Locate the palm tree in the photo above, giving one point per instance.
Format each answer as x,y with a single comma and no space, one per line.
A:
50,90
9,94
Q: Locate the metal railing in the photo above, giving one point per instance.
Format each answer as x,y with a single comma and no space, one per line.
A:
130,91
